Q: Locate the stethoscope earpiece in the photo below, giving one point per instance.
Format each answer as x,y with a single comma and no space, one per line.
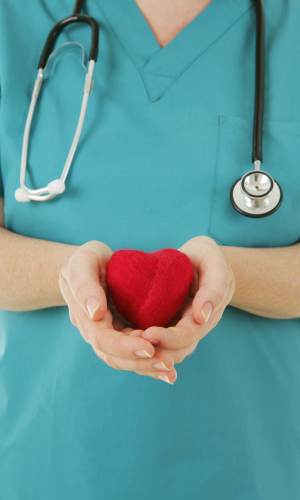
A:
21,195
256,194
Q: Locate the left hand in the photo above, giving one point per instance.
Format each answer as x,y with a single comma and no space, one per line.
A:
211,291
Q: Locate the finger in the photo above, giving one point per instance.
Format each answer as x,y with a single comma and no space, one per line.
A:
167,377
178,355
83,273
214,281
139,333
127,330
176,337
162,364
75,310
101,335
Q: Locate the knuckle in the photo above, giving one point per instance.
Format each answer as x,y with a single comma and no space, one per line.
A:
85,254
85,330
110,361
180,356
84,334
99,354
73,318
98,342
204,240
181,340
187,351
192,348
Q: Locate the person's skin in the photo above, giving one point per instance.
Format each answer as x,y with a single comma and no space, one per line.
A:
36,274
167,17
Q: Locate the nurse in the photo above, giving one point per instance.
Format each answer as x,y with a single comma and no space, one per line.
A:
167,132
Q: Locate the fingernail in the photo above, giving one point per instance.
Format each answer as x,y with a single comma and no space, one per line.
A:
143,354
92,306
206,311
153,341
161,366
164,378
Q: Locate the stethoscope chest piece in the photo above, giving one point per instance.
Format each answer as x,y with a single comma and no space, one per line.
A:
256,194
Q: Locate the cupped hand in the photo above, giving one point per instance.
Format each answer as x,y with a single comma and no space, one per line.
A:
211,291
83,284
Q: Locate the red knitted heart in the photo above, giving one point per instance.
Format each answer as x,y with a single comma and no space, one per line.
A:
148,289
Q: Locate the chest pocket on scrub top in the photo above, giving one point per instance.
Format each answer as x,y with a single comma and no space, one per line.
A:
281,159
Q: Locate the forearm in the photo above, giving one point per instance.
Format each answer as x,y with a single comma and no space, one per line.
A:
29,270
267,280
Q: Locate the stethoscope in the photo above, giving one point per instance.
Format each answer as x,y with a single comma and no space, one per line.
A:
254,195
257,194
58,185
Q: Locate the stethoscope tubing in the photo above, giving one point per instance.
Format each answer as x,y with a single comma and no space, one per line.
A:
35,194
58,28
58,186
266,201
259,82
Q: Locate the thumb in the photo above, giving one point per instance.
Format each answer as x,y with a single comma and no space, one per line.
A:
84,272
214,282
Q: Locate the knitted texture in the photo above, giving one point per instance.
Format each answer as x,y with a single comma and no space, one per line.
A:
148,289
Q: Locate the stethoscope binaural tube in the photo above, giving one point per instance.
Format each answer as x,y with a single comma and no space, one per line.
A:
57,186
257,194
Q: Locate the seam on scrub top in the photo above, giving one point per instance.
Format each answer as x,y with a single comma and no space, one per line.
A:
215,180
156,96
272,124
156,74
152,97
117,38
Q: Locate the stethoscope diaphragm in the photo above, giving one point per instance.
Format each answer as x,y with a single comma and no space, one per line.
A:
256,194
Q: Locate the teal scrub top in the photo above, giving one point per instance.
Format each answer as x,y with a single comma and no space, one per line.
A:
167,133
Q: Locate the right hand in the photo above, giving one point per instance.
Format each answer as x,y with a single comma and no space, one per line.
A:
82,282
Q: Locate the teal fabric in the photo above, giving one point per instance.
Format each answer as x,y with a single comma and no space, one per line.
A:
1,183
167,133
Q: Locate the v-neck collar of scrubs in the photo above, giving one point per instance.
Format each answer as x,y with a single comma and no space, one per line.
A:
161,67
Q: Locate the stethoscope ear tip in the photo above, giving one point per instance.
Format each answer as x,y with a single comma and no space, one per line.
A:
56,187
21,195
